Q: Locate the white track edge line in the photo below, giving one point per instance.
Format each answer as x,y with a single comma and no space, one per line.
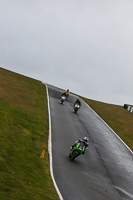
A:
50,148
109,127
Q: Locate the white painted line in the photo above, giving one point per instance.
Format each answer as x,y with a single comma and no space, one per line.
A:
50,148
108,126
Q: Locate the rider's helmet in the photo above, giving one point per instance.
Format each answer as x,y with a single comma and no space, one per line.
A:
78,100
67,90
86,139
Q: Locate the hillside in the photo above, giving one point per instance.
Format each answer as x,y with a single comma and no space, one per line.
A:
24,135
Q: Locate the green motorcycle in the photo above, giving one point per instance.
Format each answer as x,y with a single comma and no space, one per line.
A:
77,150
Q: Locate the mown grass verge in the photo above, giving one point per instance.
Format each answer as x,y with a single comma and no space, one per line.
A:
23,137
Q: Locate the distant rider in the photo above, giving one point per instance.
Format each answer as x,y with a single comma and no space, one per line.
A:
77,102
85,140
66,93
63,94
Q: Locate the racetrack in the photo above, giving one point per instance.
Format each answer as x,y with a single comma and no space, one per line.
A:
105,172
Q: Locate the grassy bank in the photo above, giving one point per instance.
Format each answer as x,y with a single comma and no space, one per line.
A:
117,117
24,135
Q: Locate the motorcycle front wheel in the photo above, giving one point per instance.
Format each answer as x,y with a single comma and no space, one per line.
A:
75,110
74,156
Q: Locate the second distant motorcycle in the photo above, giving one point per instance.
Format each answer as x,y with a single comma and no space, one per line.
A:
63,98
76,107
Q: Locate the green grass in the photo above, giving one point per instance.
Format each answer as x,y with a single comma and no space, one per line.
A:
24,136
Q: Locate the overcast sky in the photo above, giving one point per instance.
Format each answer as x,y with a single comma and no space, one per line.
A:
85,46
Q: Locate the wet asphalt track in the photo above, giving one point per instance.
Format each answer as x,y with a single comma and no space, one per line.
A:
105,172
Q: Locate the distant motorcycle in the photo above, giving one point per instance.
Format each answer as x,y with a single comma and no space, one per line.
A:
76,107
76,150
63,98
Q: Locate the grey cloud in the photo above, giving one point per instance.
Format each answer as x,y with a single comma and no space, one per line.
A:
86,46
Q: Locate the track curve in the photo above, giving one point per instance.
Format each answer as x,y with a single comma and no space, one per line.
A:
105,172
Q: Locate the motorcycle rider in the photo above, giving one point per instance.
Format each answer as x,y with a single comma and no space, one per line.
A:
67,90
85,140
66,93
77,102
63,94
